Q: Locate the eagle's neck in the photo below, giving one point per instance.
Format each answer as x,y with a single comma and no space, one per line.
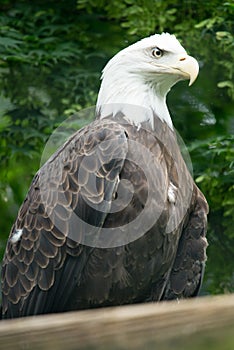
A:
134,96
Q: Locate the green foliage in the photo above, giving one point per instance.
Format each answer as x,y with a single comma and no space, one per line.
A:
217,181
46,72
189,20
214,164
51,56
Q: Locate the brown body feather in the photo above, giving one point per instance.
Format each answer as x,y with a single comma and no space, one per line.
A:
52,267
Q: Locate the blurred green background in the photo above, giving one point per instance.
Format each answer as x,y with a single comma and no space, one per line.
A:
51,57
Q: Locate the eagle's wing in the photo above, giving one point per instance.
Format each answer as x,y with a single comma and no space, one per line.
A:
188,269
67,202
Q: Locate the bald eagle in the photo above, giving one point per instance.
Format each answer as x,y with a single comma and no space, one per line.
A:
114,216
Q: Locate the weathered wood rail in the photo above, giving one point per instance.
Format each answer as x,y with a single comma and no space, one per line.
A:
202,323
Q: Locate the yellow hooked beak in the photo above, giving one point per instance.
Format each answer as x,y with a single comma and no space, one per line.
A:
188,68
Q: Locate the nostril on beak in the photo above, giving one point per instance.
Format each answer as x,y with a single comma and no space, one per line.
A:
182,58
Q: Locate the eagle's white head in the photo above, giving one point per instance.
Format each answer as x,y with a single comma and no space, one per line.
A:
141,76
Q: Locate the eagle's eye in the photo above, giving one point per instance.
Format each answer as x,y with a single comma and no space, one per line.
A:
156,52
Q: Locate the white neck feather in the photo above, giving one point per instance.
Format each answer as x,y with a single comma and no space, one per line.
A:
133,95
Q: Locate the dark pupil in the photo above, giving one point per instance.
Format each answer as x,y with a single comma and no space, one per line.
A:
157,52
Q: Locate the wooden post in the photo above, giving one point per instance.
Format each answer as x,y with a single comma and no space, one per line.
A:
203,323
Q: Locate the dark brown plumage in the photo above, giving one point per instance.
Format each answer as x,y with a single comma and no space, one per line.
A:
84,237
46,271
